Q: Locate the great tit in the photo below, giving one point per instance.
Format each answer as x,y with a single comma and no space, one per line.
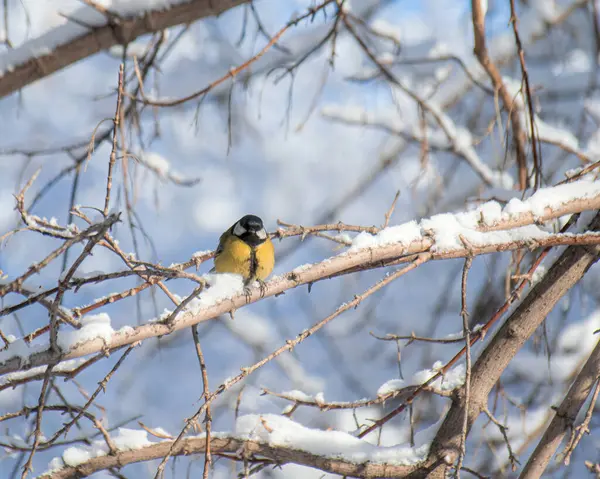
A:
246,249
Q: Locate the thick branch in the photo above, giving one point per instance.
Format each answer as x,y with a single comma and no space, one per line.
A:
115,32
221,445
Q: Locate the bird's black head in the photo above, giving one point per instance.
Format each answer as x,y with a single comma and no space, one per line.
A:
251,223
250,229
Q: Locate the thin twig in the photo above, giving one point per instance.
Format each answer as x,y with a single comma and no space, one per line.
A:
37,435
205,394
101,387
537,158
389,212
113,152
502,428
233,72
481,52
583,428
467,389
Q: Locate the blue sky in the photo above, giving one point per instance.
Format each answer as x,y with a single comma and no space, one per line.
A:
283,163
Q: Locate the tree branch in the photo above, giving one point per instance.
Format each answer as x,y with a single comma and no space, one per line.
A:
223,445
482,55
116,31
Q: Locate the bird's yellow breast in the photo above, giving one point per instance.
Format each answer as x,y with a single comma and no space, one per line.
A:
265,259
235,256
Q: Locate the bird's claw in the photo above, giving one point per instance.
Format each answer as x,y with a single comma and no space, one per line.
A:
247,293
263,287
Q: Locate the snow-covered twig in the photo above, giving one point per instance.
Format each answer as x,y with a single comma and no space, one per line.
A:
90,232
290,345
451,138
396,391
269,436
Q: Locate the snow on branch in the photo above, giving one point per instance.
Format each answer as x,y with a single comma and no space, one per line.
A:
276,438
65,368
90,31
451,137
489,228
544,132
441,385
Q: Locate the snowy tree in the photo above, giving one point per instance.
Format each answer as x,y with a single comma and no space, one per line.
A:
436,162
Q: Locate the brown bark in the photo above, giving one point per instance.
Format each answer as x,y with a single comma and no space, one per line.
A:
116,32
481,52
195,445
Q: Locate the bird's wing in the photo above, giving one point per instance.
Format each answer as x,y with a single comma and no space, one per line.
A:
222,240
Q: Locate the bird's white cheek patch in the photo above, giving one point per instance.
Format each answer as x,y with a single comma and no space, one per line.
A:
238,230
262,234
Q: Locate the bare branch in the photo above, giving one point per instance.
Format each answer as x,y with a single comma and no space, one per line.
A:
492,70
113,152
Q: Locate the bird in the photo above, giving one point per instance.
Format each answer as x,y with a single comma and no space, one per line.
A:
246,249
